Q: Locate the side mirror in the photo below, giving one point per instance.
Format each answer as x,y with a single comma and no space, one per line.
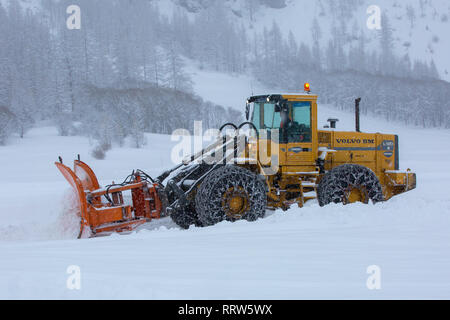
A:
247,111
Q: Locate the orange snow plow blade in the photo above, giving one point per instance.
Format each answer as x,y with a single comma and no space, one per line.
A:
101,217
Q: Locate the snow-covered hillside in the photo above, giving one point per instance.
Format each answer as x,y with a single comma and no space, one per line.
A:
305,253
223,89
419,26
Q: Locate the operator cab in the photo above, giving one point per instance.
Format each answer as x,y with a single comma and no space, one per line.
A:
294,116
291,118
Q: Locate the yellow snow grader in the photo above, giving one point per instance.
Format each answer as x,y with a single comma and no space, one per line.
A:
278,158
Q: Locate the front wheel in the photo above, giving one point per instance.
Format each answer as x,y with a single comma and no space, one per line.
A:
231,193
185,217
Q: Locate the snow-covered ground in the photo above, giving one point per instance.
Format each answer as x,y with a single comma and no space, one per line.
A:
305,253
223,89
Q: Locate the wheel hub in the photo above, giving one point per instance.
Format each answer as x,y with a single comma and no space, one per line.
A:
235,202
355,194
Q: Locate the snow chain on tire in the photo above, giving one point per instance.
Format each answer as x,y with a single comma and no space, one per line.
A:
185,217
334,184
209,201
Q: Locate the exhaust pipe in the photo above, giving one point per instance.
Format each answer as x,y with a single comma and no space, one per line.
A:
357,113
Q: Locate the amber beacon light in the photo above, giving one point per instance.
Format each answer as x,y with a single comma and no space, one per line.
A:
307,87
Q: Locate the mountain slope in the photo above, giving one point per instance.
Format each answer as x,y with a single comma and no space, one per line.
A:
419,26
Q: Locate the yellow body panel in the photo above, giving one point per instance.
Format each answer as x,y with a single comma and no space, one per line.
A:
375,151
298,173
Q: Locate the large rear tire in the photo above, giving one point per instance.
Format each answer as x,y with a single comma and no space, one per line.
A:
231,193
349,183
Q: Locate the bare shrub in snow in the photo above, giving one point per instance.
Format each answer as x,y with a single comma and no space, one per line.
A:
138,138
7,119
105,146
99,153
64,124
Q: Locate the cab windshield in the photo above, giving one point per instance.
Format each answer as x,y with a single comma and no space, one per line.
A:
265,117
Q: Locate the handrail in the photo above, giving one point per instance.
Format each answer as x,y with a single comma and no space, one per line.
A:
229,124
251,124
